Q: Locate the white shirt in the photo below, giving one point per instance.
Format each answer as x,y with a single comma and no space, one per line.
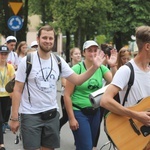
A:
12,58
43,94
140,88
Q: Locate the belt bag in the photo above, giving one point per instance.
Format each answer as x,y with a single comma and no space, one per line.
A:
49,114
87,110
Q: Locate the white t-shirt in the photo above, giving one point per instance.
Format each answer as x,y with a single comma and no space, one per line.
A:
12,58
42,94
140,88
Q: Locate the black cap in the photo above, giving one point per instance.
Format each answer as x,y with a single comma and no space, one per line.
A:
4,49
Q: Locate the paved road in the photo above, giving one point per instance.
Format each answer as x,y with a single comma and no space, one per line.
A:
67,142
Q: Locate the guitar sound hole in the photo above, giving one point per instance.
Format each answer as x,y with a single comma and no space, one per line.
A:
145,130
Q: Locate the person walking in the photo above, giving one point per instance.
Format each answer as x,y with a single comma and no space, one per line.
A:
124,55
6,74
39,110
11,42
83,119
34,44
12,58
21,50
140,87
75,57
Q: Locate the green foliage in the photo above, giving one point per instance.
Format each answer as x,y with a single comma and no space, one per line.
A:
127,15
100,39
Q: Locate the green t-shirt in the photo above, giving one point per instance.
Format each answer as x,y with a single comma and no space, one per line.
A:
81,93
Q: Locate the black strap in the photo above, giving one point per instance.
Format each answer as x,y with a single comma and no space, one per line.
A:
130,82
74,105
57,58
28,70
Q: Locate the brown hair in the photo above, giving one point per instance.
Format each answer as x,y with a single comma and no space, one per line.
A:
122,52
142,36
72,50
18,51
46,28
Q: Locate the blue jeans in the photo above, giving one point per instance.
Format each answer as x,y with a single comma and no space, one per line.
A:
88,127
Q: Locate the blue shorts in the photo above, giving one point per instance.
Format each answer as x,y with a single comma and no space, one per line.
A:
37,132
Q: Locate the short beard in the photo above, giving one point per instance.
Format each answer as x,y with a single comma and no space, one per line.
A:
45,50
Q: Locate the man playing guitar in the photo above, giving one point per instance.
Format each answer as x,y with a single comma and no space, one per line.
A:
139,90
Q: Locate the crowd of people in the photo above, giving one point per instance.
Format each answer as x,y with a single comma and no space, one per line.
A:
9,61
89,69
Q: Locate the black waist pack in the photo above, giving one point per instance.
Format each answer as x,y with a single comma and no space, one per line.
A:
89,110
49,114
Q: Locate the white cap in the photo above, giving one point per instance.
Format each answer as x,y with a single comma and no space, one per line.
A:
9,38
89,43
34,43
133,37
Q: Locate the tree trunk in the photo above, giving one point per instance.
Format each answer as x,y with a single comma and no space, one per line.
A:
67,52
118,40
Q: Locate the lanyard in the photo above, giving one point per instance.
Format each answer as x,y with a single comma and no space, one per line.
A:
45,79
3,77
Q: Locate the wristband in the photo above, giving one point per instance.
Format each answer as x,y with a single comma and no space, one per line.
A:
14,119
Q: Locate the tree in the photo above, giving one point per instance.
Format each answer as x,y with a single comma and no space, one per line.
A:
126,15
83,19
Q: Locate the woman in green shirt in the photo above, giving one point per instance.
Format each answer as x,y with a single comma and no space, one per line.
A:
83,119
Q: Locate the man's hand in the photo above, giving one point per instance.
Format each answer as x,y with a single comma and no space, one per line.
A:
14,126
143,117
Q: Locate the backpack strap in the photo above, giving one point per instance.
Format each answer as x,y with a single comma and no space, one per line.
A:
28,65
28,70
57,58
130,82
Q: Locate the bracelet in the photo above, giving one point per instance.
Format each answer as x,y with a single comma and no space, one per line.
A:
14,119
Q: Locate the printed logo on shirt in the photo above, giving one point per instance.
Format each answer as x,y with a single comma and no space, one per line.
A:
93,84
45,80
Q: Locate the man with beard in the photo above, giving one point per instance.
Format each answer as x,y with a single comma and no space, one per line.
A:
39,110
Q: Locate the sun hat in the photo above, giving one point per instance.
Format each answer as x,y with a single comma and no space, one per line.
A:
89,43
11,38
34,43
4,49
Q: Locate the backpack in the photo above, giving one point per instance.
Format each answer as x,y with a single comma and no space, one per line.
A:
10,85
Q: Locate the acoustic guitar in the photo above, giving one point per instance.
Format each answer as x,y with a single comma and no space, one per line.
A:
127,133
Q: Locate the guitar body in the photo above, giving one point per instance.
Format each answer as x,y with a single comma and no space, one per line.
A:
119,129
